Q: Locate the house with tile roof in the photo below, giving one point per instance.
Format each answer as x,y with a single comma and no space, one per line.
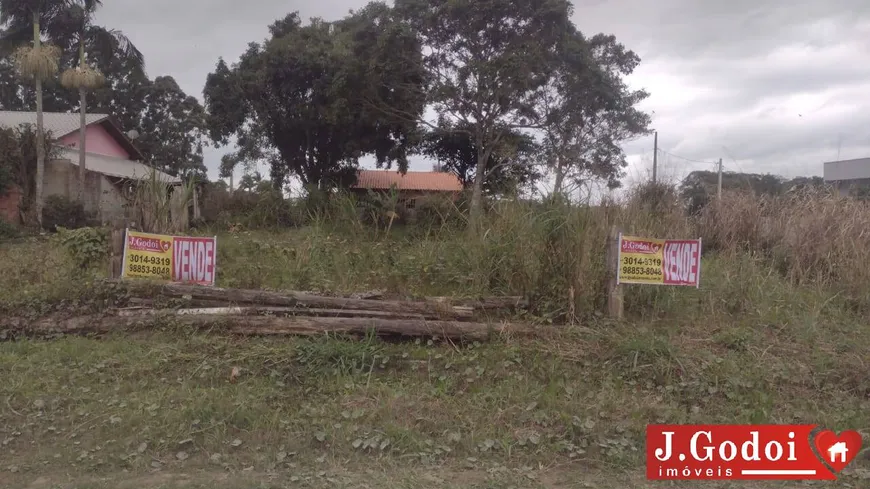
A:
111,160
411,186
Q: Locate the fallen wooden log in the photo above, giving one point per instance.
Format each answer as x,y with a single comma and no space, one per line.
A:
270,325
187,302
265,310
146,306
373,294
140,291
291,299
483,303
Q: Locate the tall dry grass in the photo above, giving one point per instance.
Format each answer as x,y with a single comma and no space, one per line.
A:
811,237
553,251
159,206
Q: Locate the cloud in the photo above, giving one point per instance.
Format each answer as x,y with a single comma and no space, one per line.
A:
766,85
692,29
780,103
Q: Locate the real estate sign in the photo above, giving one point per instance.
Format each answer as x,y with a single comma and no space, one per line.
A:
175,258
659,261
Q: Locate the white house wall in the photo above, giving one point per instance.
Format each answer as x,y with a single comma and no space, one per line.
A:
857,169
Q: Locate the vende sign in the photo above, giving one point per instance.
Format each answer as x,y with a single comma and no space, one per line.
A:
193,260
177,258
659,261
682,262
747,452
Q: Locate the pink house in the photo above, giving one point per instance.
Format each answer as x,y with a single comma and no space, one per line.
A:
111,159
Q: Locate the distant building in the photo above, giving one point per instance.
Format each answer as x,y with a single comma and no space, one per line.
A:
111,159
410,186
848,176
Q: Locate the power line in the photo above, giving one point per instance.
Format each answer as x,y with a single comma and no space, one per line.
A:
686,159
739,168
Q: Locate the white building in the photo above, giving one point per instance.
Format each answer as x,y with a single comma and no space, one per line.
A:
846,175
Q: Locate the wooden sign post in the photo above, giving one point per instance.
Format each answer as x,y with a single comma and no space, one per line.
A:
615,297
116,242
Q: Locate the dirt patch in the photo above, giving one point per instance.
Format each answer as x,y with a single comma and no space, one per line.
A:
387,477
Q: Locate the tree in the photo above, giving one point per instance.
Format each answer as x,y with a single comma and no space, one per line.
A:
83,77
172,129
487,61
229,162
37,63
18,160
10,86
515,164
805,183
250,181
589,111
297,101
700,187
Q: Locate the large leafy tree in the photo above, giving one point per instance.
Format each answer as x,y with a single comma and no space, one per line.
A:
589,111
10,84
37,62
513,165
487,61
83,77
18,160
172,129
299,100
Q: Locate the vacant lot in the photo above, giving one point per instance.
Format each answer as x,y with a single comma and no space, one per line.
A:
769,338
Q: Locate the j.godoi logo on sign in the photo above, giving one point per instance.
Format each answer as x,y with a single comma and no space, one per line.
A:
645,247
139,243
748,452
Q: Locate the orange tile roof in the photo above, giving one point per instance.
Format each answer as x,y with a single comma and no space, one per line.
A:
413,180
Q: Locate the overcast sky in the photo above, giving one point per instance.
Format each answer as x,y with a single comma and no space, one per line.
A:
769,86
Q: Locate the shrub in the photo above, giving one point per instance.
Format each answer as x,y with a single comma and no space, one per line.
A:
86,246
8,230
265,208
340,356
382,209
60,212
6,178
158,207
434,211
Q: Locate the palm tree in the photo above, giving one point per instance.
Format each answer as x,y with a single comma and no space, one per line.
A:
84,77
38,62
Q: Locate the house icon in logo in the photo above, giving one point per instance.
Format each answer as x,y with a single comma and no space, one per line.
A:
840,449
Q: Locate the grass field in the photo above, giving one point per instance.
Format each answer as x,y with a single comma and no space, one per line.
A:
767,338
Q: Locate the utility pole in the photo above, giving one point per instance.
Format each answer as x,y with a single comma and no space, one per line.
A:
655,156
839,144
719,186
